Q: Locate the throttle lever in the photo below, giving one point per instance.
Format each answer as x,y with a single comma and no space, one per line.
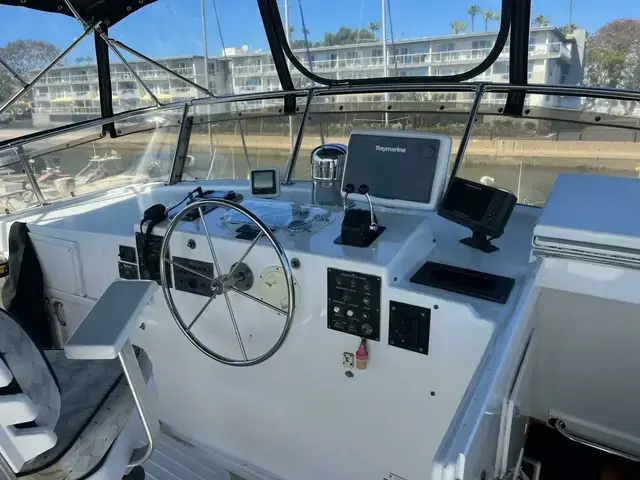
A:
363,189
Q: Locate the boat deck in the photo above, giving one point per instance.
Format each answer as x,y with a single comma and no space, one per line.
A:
174,458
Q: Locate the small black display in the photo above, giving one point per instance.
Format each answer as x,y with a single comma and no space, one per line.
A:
484,210
468,199
264,182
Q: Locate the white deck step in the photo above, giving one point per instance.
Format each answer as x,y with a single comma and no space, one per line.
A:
172,459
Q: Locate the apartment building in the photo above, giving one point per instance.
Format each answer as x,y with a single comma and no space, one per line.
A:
70,93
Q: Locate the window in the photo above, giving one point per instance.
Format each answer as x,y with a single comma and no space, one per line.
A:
480,44
445,47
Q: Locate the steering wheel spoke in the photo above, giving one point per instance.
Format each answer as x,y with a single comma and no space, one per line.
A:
257,300
221,284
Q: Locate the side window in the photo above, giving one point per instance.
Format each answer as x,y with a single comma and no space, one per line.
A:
525,154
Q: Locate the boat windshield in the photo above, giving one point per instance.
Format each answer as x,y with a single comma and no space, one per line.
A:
92,97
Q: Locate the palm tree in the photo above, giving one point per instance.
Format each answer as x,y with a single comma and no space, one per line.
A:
489,15
541,21
458,27
374,27
473,11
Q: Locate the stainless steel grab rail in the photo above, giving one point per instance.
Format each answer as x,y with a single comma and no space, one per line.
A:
560,426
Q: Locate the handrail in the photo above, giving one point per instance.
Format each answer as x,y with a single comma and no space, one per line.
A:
575,91
137,385
560,427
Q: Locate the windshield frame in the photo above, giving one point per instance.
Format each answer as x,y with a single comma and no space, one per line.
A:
277,30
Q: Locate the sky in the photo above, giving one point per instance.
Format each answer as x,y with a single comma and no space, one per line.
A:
174,27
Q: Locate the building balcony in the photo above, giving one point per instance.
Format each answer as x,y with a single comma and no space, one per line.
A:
184,92
57,80
126,93
84,95
69,109
83,79
459,57
115,76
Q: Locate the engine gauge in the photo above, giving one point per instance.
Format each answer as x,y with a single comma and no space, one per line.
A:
273,288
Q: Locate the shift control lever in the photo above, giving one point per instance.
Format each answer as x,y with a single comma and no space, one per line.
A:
348,188
359,226
363,189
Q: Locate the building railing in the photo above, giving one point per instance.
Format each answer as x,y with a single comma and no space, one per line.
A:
67,110
424,59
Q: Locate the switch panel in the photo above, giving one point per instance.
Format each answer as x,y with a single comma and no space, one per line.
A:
149,257
127,254
190,282
409,327
353,303
128,271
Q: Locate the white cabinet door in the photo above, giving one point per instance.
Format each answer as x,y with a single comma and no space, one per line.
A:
65,312
472,447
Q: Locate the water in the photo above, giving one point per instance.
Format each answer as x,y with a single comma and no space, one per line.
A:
531,183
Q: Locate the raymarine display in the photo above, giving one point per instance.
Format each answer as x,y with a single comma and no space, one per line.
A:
401,169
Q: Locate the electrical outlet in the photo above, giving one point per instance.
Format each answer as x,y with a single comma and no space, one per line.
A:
348,360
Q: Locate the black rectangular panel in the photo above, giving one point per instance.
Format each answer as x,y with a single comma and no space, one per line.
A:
149,259
190,282
127,254
409,327
128,271
353,303
487,286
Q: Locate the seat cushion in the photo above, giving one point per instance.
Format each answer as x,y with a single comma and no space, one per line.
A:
96,404
30,369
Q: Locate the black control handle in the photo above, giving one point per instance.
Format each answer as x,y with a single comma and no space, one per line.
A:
349,188
363,189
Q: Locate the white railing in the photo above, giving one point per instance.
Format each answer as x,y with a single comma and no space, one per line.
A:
84,95
403,61
69,109
128,92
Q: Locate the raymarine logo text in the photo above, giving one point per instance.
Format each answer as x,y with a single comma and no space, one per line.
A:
391,149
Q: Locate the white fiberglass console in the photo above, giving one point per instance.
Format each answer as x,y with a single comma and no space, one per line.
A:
386,419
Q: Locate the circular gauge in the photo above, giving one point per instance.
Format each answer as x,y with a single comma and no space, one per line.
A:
273,288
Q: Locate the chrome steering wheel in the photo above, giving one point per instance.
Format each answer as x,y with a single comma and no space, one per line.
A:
222,283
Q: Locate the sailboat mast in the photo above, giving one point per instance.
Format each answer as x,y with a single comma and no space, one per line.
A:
385,61
288,36
206,75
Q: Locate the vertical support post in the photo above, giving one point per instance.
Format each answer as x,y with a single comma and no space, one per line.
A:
182,145
464,140
104,83
206,72
296,148
32,179
385,60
